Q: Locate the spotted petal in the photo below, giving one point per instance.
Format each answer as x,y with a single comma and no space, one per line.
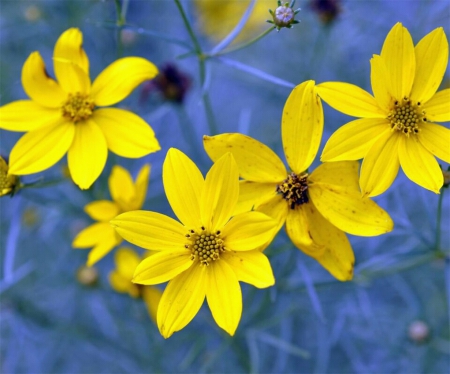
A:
224,296
431,59
398,55
302,126
437,108
436,139
419,164
181,300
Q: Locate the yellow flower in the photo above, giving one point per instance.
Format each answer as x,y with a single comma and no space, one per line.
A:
397,126
126,261
62,116
218,18
126,196
207,254
317,206
8,182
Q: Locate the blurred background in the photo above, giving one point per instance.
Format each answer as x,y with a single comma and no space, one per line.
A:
58,317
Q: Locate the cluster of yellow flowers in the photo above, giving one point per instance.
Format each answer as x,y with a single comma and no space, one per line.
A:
230,216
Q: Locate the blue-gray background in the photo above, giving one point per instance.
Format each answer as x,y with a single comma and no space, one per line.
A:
308,322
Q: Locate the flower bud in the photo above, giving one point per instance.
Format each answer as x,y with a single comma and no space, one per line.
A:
284,15
9,184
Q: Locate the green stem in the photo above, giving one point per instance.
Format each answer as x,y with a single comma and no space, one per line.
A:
241,46
202,70
438,221
120,23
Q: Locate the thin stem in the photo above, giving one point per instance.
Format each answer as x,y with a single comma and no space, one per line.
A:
120,23
437,244
202,70
241,46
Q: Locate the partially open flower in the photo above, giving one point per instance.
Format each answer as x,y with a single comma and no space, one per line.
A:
8,182
284,15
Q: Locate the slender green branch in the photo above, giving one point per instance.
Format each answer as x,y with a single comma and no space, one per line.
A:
241,46
120,17
119,23
202,71
437,244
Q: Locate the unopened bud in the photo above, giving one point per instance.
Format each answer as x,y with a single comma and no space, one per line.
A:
418,331
87,276
284,15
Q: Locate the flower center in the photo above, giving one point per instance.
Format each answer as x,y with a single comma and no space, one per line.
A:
78,107
295,189
205,246
406,117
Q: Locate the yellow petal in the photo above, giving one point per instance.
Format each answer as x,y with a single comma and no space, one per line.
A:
26,115
299,231
152,297
419,164
126,261
102,210
350,99
248,231
72,78
337,254
380,166
39,86
437,109
69,46
380,83
353,140
102,249
93,234
181,300
276,208
121,77
119,283
121,186
342,173
302,126
40,149
436,139
348,211
431,61
256,161
141,186
224,296
183,184
163,266
398,55
87,154
251,267
150,230
126,134
220,193
252,194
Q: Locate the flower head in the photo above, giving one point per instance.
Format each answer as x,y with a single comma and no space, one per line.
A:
8,182
126,195
65,115
316,206
284,15
207,254
126,261
398,126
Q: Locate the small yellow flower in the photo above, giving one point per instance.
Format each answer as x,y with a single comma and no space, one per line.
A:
8,182
218,18
205,255
63,116
397,126
126,196
126,261
317,207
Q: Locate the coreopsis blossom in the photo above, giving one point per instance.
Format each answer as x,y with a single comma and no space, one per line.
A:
398,126
207,254
126,261
126,195
317,207
8,182
67,115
